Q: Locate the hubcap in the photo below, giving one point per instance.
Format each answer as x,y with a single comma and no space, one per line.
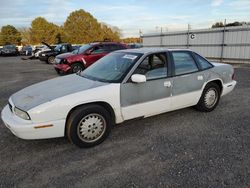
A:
77,68
51,59
211,97
91,128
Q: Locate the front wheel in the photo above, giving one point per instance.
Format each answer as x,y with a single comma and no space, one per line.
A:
88,126
209,98
51,59
76,67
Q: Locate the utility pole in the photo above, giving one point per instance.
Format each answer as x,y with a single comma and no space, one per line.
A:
223,41
161,37
140,36
188,35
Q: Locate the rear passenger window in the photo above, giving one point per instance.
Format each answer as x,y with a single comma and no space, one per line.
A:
203,62
184,63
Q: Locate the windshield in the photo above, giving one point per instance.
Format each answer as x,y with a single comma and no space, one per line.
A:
111,68
82,49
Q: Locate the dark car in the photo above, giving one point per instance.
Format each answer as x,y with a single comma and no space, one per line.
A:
135,45
49,56
9,50
26,50
85,56
38,49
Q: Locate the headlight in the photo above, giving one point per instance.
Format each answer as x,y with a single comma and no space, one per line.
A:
43,54
57,60
64,61
21,114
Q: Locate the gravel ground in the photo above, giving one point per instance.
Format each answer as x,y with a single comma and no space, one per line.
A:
184,148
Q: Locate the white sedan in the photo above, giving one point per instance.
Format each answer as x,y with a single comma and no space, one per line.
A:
123,85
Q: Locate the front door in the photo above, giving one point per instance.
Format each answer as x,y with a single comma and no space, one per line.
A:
151,97
97,53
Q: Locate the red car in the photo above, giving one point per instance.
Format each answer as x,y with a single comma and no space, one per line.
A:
86,55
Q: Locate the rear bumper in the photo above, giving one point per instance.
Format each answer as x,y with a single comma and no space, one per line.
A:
29,130
62,68
227,88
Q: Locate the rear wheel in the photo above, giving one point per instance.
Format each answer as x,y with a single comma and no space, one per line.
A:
210,98
76,67
88,126
51,59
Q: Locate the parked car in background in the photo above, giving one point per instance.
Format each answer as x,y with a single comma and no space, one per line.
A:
9,50
45,48
85,56
135,45
1,48
49,56
26,50
123,85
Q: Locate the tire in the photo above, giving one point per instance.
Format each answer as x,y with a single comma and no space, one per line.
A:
76,67
50,59
210,98
95,122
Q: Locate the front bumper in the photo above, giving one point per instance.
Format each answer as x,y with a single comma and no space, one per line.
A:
62,67
9,53
227,88
27,129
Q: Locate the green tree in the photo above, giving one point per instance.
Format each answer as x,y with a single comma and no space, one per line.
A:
10,35
42,30
82,27
131,40
218,24
110,33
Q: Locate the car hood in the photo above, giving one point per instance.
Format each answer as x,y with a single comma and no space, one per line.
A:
50,47
49,90
64,55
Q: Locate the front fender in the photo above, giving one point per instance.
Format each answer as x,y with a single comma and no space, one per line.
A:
59,108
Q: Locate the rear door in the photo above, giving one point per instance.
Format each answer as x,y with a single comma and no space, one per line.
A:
151,97
188,80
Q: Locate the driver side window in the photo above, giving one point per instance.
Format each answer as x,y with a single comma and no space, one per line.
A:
153,66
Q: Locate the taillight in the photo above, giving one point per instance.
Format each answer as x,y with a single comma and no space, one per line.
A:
233,76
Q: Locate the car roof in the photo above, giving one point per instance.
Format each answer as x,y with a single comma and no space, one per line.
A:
148,50
96,43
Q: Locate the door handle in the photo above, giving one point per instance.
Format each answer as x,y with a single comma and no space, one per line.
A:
167,84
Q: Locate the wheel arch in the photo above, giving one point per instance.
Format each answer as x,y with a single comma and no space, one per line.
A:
217,81
105,105
76,62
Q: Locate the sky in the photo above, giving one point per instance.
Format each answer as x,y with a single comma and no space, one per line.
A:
130,16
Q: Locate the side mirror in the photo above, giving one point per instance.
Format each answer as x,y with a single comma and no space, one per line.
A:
88,52
138,78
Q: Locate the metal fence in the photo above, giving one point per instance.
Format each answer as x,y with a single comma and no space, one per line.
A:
227,44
